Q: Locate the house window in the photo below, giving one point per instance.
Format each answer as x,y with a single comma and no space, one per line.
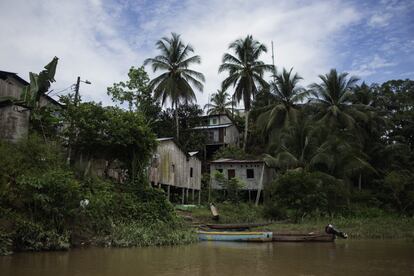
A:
231,174
250,173
220,170
191,172
214,121
211,136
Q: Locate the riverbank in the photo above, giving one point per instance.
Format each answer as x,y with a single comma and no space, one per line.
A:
384,226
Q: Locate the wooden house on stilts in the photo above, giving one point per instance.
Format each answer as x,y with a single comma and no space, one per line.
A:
173,169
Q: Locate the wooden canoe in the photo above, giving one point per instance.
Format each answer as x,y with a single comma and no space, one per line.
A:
312,237
236,226
235,236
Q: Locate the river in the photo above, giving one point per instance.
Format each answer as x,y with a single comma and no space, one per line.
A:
344,257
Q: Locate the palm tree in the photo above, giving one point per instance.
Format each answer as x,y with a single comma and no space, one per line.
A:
299,147
333,100
221,103
245,72
309,147
176,80
285,94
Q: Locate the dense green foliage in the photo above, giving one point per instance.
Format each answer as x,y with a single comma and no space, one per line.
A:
304,193
110,133
359,136
40,204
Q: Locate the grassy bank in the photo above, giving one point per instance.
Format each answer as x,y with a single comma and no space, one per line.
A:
379,226
386,227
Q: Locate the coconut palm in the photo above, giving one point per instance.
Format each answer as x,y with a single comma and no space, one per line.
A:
306,146
298,146
285,94
332,98
177,80
245,72
221,103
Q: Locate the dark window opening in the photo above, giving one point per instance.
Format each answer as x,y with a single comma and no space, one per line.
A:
250,173
191,172
220,170
231,174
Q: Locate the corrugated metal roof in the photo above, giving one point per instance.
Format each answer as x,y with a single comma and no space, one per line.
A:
4,74
213,126
192,153
165,139
228,160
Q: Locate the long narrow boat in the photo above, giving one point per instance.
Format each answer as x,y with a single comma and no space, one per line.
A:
235,236
312,237
236,226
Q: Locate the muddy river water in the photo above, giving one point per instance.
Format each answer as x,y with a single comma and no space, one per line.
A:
349,257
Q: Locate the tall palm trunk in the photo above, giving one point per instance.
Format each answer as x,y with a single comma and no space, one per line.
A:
246,128
177,122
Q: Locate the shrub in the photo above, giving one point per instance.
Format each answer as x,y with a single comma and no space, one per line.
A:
155,234
30,236
301,193
52,198
231,186
5,244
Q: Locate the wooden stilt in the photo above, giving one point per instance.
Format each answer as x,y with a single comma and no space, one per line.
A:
192,195
260,186
182,195
168,192
199,197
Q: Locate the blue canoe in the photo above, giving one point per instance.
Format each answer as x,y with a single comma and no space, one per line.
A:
235,236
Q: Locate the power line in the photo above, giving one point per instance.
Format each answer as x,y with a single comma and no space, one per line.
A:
60,91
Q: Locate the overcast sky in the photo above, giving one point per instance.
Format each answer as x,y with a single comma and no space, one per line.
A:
100,40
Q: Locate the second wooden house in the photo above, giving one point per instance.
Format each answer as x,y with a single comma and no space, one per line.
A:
175,170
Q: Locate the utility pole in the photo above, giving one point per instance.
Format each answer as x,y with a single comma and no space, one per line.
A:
273,62
75,101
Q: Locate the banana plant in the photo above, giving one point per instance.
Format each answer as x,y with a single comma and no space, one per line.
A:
39,84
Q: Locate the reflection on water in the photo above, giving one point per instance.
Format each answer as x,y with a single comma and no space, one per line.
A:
215,258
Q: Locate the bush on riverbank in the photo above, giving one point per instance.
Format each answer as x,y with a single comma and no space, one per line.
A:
40,205
297,194
155,234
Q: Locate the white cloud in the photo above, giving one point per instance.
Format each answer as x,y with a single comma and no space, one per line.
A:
80,33
90,42
368,67
379,20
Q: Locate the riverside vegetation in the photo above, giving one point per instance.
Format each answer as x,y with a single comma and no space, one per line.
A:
40,207
343,153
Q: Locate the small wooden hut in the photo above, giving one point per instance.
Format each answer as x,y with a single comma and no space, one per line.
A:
254,174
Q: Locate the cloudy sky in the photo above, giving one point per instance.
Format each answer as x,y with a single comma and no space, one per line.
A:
100,40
